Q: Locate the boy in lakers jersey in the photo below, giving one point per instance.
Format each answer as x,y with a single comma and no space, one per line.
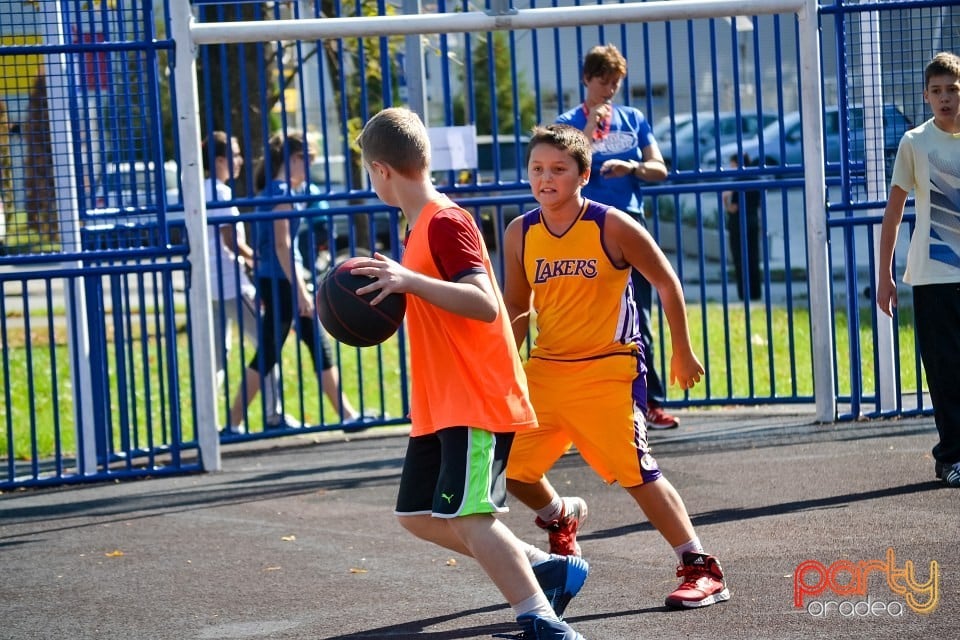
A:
569,261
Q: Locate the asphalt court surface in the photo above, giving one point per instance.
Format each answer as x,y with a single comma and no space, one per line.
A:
296,540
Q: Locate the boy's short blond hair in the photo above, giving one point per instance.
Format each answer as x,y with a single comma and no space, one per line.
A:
602,61
397,136
566,138
942,64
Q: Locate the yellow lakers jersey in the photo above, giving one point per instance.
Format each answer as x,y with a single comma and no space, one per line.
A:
584,303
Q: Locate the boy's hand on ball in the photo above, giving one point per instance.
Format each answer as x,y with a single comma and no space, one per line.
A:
388,276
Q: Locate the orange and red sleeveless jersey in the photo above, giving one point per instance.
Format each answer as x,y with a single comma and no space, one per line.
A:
583,301
464,372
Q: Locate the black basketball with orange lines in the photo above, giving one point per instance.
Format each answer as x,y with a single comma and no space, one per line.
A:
349,317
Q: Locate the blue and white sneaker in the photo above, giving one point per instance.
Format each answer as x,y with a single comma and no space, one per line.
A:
561,578
951,475
537,628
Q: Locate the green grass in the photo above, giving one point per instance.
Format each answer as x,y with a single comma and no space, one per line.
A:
770,360
35,375
772,357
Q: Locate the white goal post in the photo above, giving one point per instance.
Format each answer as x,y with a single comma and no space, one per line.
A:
189,34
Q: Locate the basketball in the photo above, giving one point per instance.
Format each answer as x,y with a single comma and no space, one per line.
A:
349,317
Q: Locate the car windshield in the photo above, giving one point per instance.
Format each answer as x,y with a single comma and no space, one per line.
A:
679,122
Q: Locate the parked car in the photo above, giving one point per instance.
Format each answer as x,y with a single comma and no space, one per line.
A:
782,140
694,138
672,122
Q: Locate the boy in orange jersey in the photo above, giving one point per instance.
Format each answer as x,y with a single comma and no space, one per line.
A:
570,261
468,392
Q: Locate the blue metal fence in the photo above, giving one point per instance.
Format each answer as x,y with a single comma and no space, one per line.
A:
94,203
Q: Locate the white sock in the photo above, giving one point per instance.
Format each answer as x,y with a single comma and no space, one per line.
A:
534,554
538,605
553,511
690,546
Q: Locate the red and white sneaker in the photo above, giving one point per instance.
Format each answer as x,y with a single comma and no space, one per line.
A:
563,531
702,583
658,419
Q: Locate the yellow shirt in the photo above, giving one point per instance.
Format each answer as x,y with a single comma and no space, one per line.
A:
583,301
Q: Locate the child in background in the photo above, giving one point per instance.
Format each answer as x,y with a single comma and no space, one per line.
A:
928,163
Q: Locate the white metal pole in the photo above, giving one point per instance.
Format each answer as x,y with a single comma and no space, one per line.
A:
195,214
413,72
65,186
815,194
871,66
478,21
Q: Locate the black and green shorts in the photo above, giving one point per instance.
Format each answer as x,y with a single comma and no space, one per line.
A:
458,471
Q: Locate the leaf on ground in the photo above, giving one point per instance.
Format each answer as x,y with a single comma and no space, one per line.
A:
116,553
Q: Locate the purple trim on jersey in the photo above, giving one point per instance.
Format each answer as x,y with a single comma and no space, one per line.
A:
649,467
631,324
530,218
653,473
639,387
597,212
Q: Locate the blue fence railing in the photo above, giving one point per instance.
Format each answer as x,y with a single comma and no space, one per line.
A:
93,201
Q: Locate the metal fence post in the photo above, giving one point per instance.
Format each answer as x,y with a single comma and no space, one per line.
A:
871,63
815,190
413,71
65,179
195,215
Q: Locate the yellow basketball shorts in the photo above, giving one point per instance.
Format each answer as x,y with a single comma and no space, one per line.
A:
594,405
